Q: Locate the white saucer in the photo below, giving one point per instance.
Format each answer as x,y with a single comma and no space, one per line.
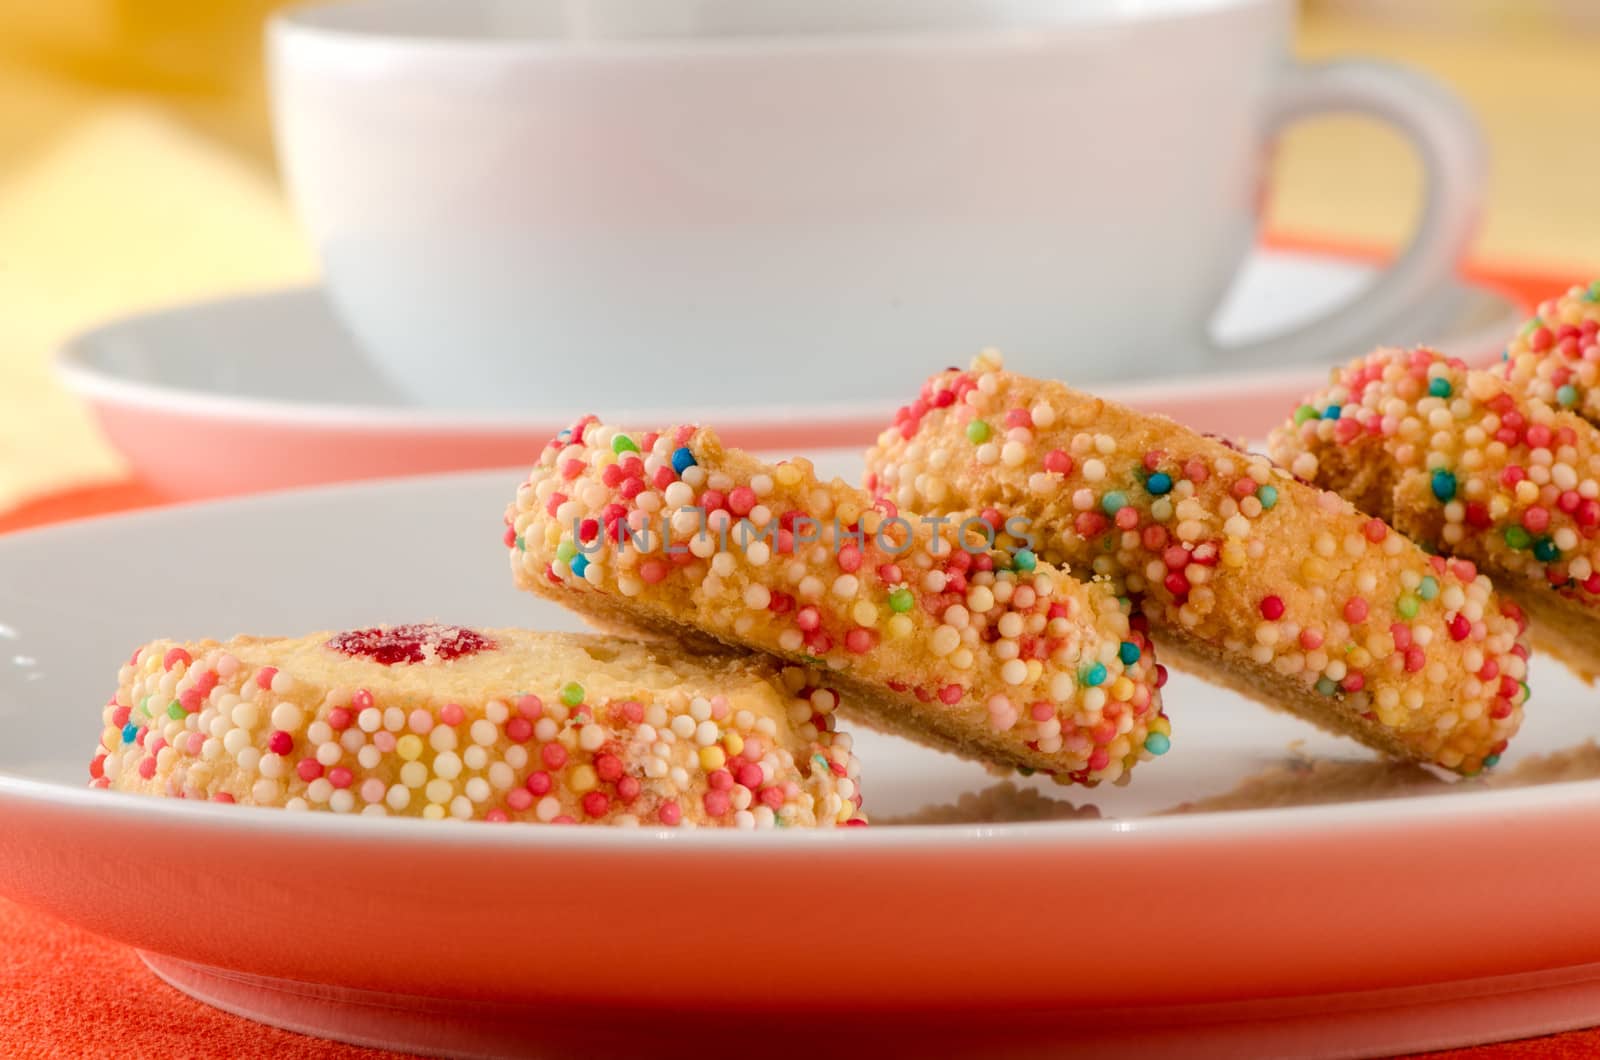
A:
265,391
1378,911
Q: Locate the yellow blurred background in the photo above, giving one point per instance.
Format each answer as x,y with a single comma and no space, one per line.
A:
136,169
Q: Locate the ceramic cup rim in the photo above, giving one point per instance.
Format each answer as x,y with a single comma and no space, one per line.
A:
366,26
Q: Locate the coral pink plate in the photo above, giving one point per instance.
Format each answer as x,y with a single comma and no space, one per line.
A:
1396,913
269,391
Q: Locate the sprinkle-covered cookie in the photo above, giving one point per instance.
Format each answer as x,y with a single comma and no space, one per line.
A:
1474,468
1248,576
1555,358
930,633
499,725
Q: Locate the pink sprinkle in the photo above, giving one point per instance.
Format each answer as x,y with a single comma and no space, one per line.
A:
1375,530
338,719
719,780
539,783
147,767
653,571
1099,760
950,695
197,740
222,796
309,769
518,730
1058,462
530,707
361,700
1272,608
849,559
1536,519
1041,711
808,618
628,789
519,799
1355,610
669,813
420,722
860,640
772,797
174,657
1310,639
1416,659
742,500
280,743
608,767
372,790
120,716
340,777
204,682
553,755
227,666
265,675
595,804
716,803
383,740
750,775
1460,627
452,714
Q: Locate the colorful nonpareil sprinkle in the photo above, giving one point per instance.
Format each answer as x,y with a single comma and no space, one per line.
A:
1247,575
534,727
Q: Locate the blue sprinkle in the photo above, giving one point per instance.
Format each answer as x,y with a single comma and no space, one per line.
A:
1024,560
1129,653
1326,686
1096,675
1157,743
1332,412
1444,485
1159,484
1545,550
1429,588
580,563
682,459
1113,502
130,732
1439,388
1491,761
1267,495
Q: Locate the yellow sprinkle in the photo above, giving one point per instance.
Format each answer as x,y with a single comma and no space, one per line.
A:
786,474
899,626
1233,554
1316,569
409,747
865,614
712,758
433,811
583,779
1122,690
734,743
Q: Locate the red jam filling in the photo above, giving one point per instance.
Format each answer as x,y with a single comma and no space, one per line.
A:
413,643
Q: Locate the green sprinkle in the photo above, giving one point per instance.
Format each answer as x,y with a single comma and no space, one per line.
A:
1304,413
1567,395
175,710
1429,587
1517,537
1114,502
1023,560
1491,761
1439,388
1593,294
1157,743
1408,606
565,551
623,444
1326,686
1444,485
977,432
572,693
522,546
144,705
1530,327
1026,771
1545,550
901,600
1268,496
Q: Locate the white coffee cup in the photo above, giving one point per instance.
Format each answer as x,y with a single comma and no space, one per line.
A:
558,204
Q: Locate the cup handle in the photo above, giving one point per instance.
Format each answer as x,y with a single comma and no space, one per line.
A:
1454,166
